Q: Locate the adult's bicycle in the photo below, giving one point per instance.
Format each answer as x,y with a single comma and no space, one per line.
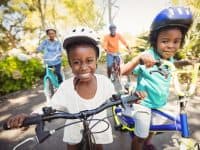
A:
125,122
50,79
120,82
88,142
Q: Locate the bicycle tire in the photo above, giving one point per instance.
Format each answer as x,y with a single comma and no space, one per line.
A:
188,144
49,88
86,142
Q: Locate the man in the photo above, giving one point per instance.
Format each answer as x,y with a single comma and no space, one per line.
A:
111,46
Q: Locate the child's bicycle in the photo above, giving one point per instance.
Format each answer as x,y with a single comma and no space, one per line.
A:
88,141
50,79
124,122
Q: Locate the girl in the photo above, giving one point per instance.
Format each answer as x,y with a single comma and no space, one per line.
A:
85,91
167,35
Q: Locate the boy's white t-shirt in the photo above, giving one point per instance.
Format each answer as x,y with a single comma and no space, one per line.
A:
67,99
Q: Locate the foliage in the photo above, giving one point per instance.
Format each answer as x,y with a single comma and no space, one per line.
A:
16,75
23,22
81,10
191,49
102,58
142,43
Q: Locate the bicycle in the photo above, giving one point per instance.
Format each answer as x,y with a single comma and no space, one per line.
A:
49,114
115,72
125,122
50,80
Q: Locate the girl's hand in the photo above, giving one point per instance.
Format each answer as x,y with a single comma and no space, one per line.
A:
16,121
141,95
147,60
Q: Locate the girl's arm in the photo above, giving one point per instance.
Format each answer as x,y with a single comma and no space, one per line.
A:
42,46
127,68
143,58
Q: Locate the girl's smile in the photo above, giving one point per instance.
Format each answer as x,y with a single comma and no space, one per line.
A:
83,62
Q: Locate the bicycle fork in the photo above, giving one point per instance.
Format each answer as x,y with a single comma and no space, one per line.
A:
184,121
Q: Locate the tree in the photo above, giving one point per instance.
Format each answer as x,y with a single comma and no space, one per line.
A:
192,42
23,22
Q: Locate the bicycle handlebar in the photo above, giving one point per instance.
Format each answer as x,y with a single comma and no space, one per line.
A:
55,114
53,58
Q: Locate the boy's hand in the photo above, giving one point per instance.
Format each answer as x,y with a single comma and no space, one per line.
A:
147,60
141,95
16,121
129,49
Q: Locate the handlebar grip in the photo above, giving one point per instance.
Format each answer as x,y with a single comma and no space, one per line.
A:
31,120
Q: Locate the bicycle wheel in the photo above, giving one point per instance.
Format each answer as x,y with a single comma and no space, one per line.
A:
112,77
86,142
188,144
49,89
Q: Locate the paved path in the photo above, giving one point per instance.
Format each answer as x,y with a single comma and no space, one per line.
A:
27,101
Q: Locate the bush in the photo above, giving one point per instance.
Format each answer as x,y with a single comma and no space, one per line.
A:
17,75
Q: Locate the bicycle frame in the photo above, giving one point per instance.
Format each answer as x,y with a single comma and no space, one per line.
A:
50,74
50,80
179,122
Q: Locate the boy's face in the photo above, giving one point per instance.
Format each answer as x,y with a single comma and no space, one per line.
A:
83,62
168,42
112,31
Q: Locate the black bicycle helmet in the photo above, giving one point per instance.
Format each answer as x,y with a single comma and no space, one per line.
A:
112,26
173,16
82,35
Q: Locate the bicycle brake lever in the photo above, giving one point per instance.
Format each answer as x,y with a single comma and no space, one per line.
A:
162,72
48,110
25,141
41,134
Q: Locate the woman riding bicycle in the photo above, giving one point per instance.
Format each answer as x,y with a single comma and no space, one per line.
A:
111,46
167,35
51,48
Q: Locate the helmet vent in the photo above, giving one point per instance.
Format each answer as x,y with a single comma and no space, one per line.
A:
82,29
187,12
180,11
171,12
74,30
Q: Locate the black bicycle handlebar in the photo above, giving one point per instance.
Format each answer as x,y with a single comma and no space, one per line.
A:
54,114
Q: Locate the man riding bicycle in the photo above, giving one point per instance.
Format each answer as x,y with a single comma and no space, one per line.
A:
111,46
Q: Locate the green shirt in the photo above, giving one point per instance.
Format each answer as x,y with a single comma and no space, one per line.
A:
154,84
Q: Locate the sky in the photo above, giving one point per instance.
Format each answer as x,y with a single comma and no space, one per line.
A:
133,16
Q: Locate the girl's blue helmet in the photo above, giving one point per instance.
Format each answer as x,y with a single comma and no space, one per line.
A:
173,16
178,17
